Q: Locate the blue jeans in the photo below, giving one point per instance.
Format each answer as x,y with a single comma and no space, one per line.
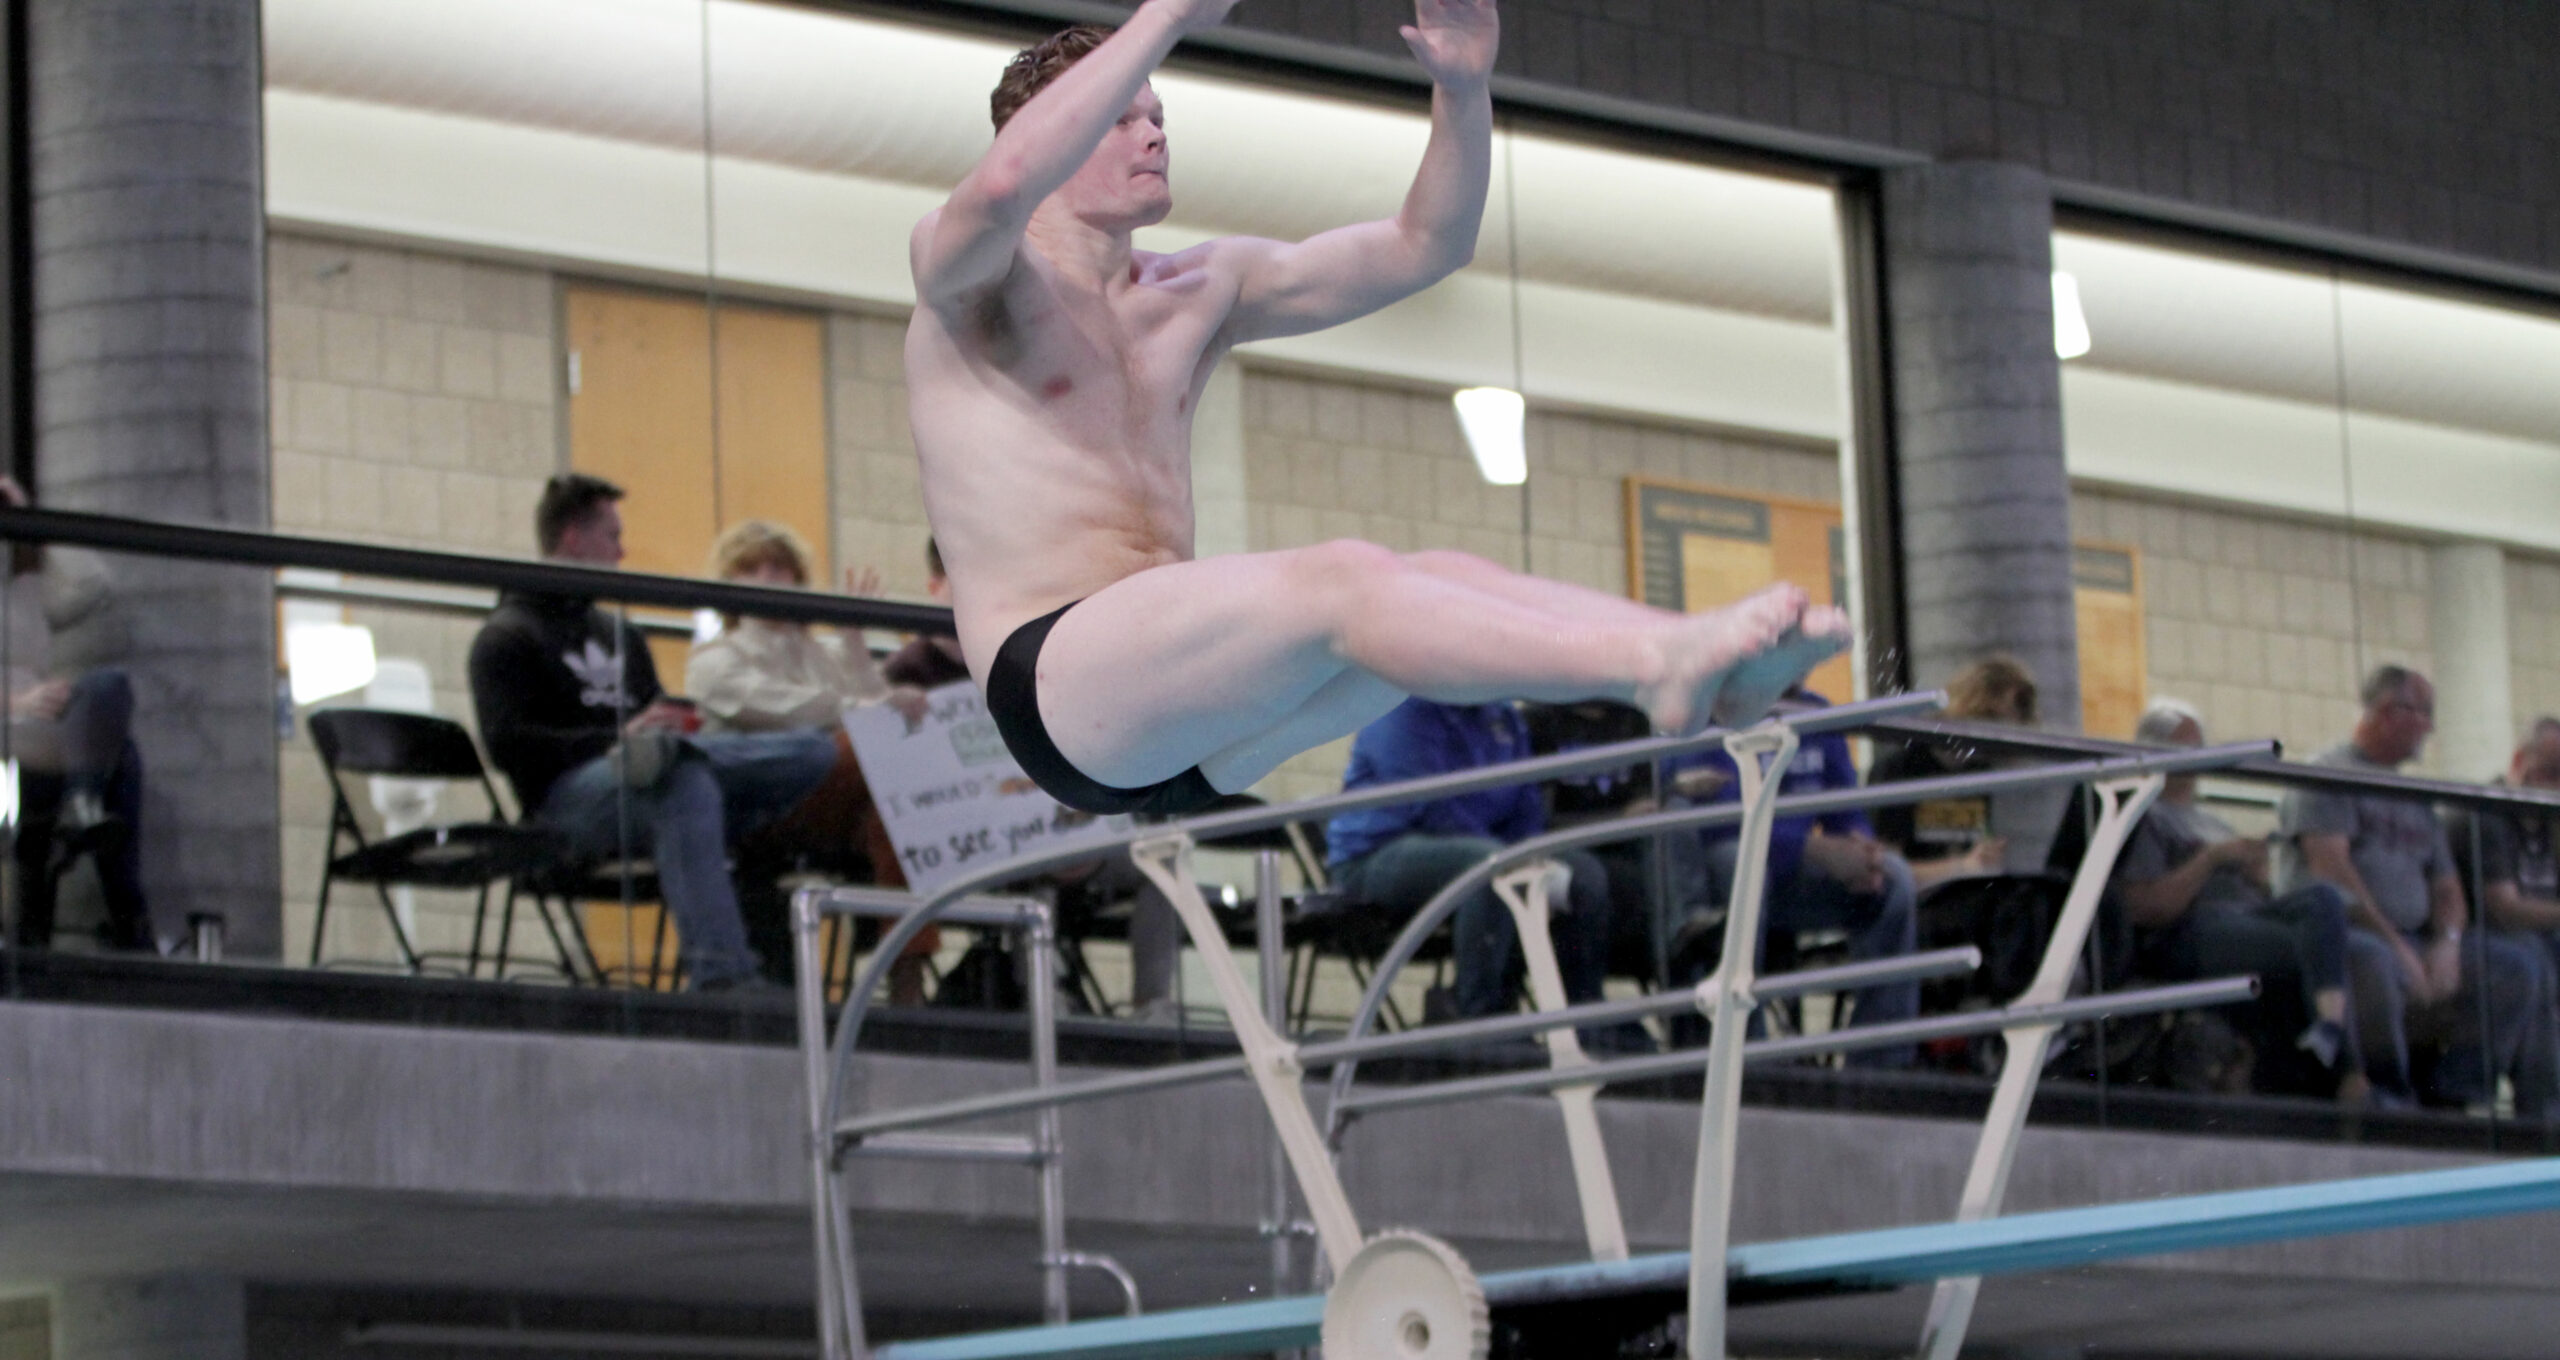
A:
1883,924
716,790
1406,872
90,749
2500,1022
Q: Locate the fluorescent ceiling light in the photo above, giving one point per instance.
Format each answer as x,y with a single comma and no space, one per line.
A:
1495,420
2070,324
324,660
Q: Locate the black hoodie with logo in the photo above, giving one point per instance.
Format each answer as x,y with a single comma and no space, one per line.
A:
553,680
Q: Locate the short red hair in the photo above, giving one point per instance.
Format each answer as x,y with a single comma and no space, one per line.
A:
1034,67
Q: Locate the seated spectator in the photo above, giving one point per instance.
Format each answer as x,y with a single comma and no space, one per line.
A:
1982,861
2196,892
71,733
773,675
1640,940
571,710
2486,1004
1398,857
1946,838
2509,854
929,660
1825,873
767,675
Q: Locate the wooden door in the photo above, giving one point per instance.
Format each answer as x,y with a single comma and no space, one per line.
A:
2106,592
705,416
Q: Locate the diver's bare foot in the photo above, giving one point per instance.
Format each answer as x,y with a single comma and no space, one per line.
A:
1754,683
1700,650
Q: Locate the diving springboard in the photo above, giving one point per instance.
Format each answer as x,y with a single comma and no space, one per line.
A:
1879,1258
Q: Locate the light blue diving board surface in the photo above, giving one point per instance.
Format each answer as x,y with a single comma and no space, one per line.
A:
1884,1257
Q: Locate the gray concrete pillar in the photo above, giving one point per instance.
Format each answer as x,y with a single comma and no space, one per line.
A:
158,1317
151,402
1977,399
2475,690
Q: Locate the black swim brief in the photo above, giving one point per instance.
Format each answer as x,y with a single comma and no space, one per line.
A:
1013,700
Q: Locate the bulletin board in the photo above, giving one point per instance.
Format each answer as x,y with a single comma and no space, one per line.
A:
1693,547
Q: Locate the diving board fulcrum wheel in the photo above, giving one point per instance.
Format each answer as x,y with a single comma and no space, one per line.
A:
1406,1295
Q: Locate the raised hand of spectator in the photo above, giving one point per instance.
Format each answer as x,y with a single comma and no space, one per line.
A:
862,580
43,701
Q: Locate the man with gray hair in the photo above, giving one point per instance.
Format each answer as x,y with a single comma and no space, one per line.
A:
2510,855
2483,999
2196,894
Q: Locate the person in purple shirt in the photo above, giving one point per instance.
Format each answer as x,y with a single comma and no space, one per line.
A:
1396,858
1825,873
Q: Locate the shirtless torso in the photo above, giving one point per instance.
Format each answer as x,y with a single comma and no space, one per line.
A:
1052,375
1054,421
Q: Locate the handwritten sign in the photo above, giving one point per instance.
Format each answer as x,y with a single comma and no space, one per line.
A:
952,797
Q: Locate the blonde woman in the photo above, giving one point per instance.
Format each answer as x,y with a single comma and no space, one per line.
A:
1948,838
771,675
767,675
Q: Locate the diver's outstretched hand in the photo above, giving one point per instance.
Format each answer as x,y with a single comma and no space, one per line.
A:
1454,40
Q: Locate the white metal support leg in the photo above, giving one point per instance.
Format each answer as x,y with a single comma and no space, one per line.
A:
1728,1000
1166,861
1525,891
2121,803
1040,938
839,1309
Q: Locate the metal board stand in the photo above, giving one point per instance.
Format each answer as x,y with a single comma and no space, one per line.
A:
2121,803
1276,1066
1729,1011
1525,891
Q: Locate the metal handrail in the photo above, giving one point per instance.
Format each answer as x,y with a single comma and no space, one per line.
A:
1214,826
2108,1005
2142,760
2295,774
253,548
1432,1038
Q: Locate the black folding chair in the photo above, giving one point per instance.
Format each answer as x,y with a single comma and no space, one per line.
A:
450,855
1326,922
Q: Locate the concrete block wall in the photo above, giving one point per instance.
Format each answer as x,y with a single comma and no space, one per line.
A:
416,396
2267,625
879,506
417,402
1331,456
2533,636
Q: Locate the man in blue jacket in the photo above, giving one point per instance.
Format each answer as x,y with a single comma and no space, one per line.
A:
1398,857
1825,873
